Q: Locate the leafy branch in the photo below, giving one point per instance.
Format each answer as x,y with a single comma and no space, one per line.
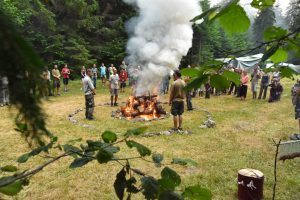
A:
103,152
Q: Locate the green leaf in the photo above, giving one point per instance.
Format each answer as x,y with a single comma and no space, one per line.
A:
232,76
219,81
269,52
11,189
157,158
191,72
167,195
23,158
21,127
186,161
207,12
79,162
71,142
170,179
54,139
143,151
262,4
287,72
279,56
9,168
196,192
150,187
130,184
225,9
104,156
120,183
137,131
109,136
197,82
235,20
71,149
274,32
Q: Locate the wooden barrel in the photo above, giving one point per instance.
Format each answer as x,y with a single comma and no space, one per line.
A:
250,184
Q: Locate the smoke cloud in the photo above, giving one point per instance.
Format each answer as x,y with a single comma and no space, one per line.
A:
159,37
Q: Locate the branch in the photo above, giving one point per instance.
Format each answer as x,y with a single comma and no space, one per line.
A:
247,51
33,172
275,168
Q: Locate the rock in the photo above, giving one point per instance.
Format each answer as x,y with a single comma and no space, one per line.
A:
203,126
165,133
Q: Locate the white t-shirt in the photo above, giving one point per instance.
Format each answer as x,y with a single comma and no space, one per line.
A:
114,81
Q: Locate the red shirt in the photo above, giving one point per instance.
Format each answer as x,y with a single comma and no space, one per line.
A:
123,75
65,72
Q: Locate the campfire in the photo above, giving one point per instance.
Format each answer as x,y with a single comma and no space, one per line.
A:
145,107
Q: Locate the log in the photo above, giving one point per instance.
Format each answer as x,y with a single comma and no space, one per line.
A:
250,184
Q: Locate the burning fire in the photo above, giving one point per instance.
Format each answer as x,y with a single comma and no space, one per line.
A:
147,107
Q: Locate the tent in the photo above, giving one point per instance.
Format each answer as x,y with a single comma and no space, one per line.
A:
248,62
245,63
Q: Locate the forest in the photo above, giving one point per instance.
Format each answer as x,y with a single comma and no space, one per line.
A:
39,33
83,32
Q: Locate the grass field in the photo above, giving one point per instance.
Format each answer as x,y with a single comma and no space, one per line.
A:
241,139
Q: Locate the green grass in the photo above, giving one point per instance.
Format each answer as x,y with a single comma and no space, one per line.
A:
241,139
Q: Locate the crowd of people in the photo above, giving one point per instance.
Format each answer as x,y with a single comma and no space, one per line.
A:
258,80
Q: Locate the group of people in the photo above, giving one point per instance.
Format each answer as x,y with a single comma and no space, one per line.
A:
257,79
116,82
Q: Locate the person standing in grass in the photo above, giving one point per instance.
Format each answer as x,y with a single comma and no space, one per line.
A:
123,79
56,80
244,85
176,100
89,92
66,76
255,76
103,74
94,75
114,86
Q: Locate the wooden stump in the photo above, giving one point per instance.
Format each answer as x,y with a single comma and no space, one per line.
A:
250,184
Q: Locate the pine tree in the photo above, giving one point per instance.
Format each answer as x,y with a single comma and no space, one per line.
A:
265,19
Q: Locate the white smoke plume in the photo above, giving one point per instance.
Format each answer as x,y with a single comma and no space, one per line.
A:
159,37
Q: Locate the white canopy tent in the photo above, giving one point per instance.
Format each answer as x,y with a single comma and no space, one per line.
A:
248,62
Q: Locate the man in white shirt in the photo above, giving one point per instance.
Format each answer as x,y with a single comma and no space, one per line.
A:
114,86
89,92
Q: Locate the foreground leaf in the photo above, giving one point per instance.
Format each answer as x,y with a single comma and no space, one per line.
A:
169,195
170,179
104,156
120,183
23,158
235,20
204,14
191,72
197,82
274,32
9,168
109,136
157,158
143,151
269,52
150,187
279,56
197,193
79,162
219,82
262,4
137,131
11,189
183,162
232,76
